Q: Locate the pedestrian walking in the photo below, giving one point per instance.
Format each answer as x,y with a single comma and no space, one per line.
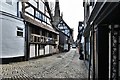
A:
81,57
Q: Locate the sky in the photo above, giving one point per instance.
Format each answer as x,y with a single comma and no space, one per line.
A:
73,12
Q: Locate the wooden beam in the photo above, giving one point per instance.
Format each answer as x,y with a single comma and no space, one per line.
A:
32,21
23,7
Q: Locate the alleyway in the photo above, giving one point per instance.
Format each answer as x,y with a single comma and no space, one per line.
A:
64,65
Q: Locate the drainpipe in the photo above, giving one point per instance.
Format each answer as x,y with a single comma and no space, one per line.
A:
26,41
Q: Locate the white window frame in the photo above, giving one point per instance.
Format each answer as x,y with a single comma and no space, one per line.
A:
18,30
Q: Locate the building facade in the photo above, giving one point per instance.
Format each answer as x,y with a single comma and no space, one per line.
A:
65,32
102,39
12,38
27,31
41,38
66,38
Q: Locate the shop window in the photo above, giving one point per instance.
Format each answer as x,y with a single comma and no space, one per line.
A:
19,32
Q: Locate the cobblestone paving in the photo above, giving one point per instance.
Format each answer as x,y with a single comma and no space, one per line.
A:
63,65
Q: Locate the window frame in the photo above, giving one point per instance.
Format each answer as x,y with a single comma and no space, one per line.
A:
20,30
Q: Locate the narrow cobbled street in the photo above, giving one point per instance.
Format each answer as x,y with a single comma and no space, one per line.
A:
62,65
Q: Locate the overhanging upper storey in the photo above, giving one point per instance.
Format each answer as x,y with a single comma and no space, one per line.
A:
36,10
104,11
101,10
37,13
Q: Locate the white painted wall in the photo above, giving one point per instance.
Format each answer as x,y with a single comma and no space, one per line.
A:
32,50
12,45
0,36
47,49
12,9
31,10
33,3
37,51
41,7
52,50
41,52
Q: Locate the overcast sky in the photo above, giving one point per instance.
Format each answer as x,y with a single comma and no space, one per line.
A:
73,12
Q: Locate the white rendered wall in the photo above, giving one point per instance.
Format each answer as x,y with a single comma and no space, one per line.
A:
32,50
33,3
37,51
52,49
12,9
41,52
12,45
0,36
47,49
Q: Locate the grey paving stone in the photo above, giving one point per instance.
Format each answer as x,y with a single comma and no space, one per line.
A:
63,65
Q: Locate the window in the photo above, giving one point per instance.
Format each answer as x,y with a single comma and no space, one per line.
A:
9,2
19,32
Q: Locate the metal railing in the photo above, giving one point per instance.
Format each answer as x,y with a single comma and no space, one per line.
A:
42,39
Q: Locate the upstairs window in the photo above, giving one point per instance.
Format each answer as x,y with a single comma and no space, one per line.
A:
9,2
19,32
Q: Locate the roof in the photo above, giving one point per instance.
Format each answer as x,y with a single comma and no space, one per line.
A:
65,24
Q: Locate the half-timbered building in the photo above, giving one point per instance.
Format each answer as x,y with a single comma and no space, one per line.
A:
41,39
26,30
102,38
65,32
